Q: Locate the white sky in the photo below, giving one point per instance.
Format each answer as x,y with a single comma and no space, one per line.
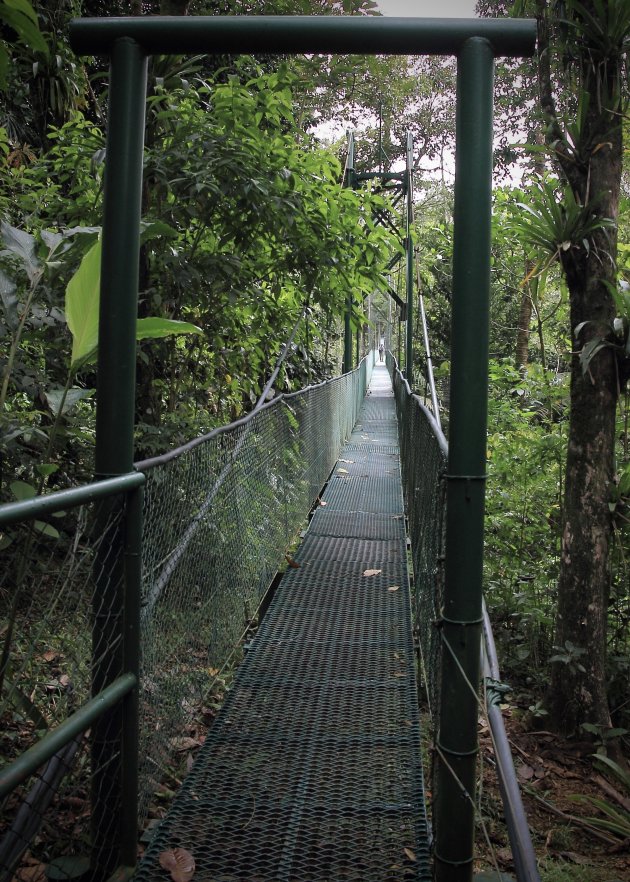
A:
428,8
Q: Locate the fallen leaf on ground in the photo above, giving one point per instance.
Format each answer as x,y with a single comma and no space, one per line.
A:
179,862
342,471
183,742
34,873
372,572
291,562
393,587
410,854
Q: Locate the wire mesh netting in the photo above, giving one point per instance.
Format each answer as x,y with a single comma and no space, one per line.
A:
219,518
423,456
49,600
312,771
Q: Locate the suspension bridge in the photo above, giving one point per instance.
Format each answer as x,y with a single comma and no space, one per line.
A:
312,771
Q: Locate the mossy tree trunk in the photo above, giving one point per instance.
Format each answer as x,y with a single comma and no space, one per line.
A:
591,164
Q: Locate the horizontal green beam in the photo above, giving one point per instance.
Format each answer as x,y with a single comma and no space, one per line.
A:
12,775
364,35
28,509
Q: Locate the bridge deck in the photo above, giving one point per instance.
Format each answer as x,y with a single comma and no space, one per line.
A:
312,771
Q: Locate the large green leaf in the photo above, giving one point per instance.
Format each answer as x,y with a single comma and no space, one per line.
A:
57,400
154,327
82,303
22,245
19,15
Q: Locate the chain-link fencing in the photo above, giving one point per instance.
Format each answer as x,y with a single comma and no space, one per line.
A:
423,458
220,515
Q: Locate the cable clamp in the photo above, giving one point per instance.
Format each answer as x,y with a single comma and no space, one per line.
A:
442,860
458,753
445,619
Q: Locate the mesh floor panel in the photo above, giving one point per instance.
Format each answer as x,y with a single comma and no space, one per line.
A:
312,770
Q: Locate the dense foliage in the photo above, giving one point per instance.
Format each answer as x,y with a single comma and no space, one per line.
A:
246,227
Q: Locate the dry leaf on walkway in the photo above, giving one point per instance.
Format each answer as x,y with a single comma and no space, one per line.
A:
179,862
342,471
372,572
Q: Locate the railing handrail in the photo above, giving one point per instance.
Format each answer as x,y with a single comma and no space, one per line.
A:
71,497
518,829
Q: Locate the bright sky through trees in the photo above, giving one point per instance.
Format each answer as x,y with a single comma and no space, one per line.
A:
428,8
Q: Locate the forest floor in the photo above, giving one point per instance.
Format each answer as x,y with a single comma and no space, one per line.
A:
551,772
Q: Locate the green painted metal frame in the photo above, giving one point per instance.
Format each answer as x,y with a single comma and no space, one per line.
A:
409,260
476,42
462,618
350,181
25,765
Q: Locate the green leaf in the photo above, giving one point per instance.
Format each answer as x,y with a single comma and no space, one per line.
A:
156,229
590,350
9,300
54,397
22,245
82,304
5,541
46,468
24,7
153,328
46,529
21,490
27,30
68,867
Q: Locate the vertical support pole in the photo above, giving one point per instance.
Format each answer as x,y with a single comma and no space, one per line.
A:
409,264
462,610
131,664
121,254
115,617
347,326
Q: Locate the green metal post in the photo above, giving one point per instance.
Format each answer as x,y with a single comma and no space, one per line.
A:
350,181
114,757
131,664
409,263
462,610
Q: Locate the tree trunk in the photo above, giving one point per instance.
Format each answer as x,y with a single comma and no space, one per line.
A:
578,684
592,167
521,358
522,331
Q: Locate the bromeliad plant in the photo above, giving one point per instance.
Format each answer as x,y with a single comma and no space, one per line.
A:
552,221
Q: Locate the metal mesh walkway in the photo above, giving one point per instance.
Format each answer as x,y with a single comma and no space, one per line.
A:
312,771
